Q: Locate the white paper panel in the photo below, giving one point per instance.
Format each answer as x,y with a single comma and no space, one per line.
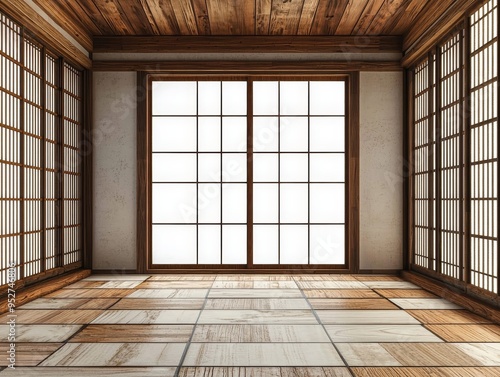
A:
293,203
174,203
294,97
327,167
265,244
174,97
293,244
234,98
174,134
209,97
265,203
209,137
209,244
294,135
234,134
209,166
327,244
327,134
265,98
265,167
174,244
265,134
327,203
234,167
209,203
174,167
234,203
294,167
327,97
234,244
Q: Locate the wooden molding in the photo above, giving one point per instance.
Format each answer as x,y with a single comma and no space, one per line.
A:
87,149
263,67
30,293
44,31
253,43
433,24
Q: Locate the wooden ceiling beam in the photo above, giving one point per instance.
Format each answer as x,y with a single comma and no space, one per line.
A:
259,44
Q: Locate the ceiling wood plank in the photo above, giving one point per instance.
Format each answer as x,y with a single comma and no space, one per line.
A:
59,13
231,17
262,16
352,14
163,14
93,13
367,17
307,16
44,31
285,17
76,11
384,16
149,16
243,67
407,18
114,15
134,11
227,44
328,16
185,17
201,14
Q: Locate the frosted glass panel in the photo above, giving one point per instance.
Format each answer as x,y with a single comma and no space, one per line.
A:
265,244
209,204
234,167
209,135
327,203
209,244
234,134
265,134
174,134
209,98
327,134
234,98
174,98
174,167
293,203
327,244
294,135
174,244
327,97
327,167
265,203
265,167
209,166
294,167
234,244
174,203
294,97
265,98
293,244
234,203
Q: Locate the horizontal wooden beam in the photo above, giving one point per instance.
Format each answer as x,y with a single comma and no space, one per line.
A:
263,67
42,30
432,25
226,44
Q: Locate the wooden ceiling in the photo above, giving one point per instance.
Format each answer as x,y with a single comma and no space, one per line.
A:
85,19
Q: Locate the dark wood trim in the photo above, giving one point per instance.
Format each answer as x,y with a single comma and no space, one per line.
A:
30,293
59,165
437,111
22,172
458,296
352,226
87,190
249,173
247,67
248,43
407,166
379,272
143,148
44,31
43,161
257,269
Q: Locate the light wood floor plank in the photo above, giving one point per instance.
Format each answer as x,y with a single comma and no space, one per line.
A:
405,293
340,293
352,303
53,316
85,372
134,334
447,316
263,372
467,333
155,304
426,372
28,354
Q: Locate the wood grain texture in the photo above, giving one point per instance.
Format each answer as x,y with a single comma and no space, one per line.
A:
41,316
285,16
90,293
405,293
133,334
68,303
426,372
352,303
28,354
93,371
231,17
447,316
309,9
148,304
352,13
467,333
264,372
340,293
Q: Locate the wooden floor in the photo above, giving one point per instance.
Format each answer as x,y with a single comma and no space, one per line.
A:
249,325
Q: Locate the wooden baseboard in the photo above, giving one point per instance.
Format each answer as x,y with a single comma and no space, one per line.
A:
454,295
379,272
32,292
